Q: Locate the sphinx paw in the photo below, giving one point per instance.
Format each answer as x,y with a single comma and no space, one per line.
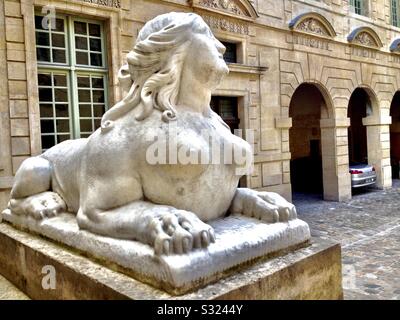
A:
39,206
178,232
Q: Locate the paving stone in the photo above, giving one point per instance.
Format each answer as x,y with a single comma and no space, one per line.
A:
368,227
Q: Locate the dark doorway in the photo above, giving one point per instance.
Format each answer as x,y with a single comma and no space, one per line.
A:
227,108
359,108
305,140
395,136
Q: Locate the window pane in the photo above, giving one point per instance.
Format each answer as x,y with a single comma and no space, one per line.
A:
98,96
230,53
94,30
84,96
83,82
54,92
42,39
97,123
80,27
97,83
64,137
60,25
62,125
95,59
43,54
58,40
59,56
95,44
98,110
62,111
44,79
61,95
45,94
47,126
46,111
60,80
47,142
38,22
82,58
85,110
86,125
81,43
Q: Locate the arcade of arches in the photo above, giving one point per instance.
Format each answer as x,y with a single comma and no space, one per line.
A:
322,147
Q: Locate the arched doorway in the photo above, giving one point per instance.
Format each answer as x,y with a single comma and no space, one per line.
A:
364,140
307,108
395,136
359,108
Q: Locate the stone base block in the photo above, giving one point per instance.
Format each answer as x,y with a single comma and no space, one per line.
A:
239,242
312,272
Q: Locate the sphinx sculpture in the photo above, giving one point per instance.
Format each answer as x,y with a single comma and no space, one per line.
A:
106,180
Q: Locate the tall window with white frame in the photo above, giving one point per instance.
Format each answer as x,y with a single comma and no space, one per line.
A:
359,7
395,13
72,78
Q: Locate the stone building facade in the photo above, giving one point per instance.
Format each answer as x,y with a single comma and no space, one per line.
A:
297,68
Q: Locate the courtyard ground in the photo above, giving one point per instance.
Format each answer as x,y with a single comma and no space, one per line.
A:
368,228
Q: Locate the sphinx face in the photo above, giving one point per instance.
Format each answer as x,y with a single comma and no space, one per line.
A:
206,61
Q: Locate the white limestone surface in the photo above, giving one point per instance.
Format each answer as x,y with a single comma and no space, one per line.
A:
239,239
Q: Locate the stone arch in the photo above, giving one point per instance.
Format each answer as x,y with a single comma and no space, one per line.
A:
369,133
394,131
312,140
373,97
365,36
328,111
312,22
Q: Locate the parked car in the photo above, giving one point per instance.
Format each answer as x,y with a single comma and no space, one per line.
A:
362,175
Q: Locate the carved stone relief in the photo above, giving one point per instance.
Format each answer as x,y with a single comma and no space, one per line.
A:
312,25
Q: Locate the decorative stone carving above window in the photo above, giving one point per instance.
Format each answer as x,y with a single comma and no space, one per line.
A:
238,8
313,23
223,24
365,36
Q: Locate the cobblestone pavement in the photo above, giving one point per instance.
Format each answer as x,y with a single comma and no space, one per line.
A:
368,227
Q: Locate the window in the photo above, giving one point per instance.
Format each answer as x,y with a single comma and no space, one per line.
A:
395,13
227,108
230,54
72,78
359,7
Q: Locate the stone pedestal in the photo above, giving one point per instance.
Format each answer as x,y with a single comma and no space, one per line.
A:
311,272
239,241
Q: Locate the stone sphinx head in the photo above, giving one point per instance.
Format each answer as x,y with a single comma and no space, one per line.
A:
173,52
